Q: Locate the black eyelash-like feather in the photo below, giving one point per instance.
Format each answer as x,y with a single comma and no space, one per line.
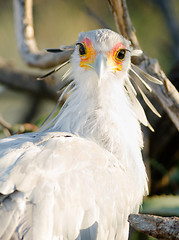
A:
53,71
54,50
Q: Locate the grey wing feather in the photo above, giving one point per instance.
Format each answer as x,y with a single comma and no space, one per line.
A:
43,175
10,213
89,233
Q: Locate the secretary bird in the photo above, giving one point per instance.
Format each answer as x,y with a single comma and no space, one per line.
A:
82,175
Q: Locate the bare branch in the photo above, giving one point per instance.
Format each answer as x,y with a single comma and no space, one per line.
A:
25,82
123,22
167,94
26,40
155,226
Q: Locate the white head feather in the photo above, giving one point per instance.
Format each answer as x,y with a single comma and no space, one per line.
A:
104,108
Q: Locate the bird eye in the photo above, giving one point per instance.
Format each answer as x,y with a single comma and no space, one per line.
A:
82,49
120,55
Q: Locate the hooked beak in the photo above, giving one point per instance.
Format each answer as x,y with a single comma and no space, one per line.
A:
100,65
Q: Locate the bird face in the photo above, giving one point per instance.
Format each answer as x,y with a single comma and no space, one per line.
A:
102,52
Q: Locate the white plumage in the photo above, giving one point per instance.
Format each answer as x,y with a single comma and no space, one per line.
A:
82,176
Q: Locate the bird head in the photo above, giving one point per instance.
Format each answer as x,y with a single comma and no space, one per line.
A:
102,61
101,53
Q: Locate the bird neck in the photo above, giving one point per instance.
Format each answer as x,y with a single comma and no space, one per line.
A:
104,114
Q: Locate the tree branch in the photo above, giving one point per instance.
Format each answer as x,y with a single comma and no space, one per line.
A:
123,22
155,226
166,94
25,82
26,42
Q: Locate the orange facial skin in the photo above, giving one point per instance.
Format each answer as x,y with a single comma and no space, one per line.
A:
90,55
112,61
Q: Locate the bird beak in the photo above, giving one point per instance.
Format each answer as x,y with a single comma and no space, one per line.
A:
100,65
